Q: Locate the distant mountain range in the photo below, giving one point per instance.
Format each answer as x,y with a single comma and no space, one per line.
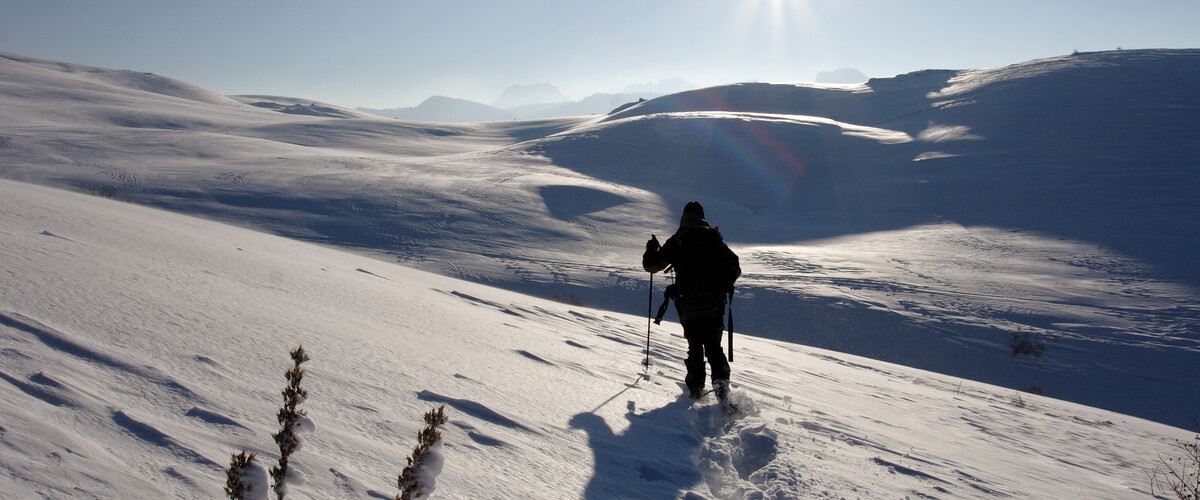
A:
445,109
523,102
544,100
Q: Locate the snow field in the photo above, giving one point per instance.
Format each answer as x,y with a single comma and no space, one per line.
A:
165,349
926,220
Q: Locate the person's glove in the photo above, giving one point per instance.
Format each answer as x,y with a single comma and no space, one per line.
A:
652,244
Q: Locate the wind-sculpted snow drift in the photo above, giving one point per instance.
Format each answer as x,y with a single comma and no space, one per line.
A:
941,219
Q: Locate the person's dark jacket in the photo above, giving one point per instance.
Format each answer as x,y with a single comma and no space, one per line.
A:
690,303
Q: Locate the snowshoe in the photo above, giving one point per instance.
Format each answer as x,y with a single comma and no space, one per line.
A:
721,390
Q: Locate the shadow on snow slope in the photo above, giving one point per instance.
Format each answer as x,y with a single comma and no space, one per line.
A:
1093,147
641,462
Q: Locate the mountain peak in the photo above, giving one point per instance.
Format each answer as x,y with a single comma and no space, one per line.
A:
445,109
536,93
843,75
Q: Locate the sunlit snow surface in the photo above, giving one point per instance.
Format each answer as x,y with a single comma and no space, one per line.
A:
142,348
926,220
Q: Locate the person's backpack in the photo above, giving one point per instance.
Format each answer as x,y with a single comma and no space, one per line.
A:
705,265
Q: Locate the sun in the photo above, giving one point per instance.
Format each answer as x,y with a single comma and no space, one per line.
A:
772,38
773,25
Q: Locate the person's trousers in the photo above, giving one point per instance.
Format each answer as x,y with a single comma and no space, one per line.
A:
704,341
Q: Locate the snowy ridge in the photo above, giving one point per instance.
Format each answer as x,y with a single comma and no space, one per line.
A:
106,80
142,348
936,219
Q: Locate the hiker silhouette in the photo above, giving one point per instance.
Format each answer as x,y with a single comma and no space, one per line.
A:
705,270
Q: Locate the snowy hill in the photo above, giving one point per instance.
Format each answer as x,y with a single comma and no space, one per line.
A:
296,106
141,348
936,219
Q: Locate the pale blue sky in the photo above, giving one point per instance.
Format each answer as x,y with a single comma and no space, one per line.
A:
394,53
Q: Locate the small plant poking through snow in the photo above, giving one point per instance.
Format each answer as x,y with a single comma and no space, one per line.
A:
1017,400
291,421
245,478
1027,344
418,479
570,300
1179,475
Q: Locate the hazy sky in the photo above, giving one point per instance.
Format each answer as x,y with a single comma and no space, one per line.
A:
395,53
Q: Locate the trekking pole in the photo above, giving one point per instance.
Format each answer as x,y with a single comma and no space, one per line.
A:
649,314
730,327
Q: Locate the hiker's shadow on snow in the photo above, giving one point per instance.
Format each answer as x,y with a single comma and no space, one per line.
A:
651,459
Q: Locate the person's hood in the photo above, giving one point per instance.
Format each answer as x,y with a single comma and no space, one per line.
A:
691,219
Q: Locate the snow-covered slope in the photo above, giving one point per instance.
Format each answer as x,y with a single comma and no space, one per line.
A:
1095,147
935,219
141,348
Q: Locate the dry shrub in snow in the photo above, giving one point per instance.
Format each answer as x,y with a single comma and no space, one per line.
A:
1179,475
246,479
419,478
292,421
